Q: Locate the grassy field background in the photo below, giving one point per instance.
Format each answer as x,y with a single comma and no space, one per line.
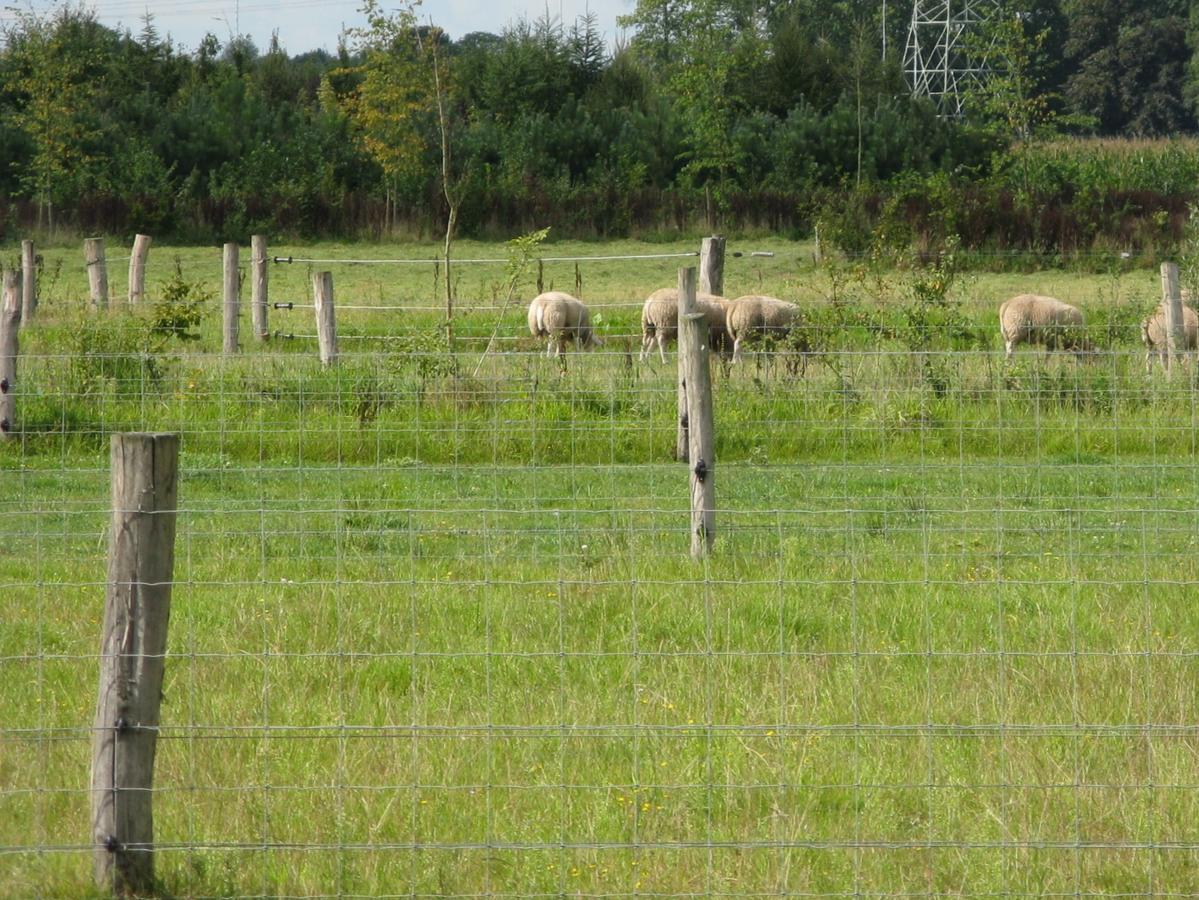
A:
435,630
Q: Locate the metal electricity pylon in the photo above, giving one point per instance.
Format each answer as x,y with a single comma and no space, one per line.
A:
946,54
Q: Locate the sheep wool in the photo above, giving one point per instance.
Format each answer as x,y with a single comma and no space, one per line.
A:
1035,319
660,320
1155,339
753,316
560,317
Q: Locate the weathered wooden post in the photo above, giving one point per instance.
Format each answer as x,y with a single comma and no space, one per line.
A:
696,378
711,265
258,288
97,271
326,325
137,268
232,303
681,445
1172,303
137,606
28,282
10,325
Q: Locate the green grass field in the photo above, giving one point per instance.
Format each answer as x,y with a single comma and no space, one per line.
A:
435,629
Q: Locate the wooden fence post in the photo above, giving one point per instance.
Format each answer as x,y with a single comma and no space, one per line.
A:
10,325
711,266
137,268
137,606
681,446
326,325
97,271
696,378
1172,303
258,288
28,282
232,298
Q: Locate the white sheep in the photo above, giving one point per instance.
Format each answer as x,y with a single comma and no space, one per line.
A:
1035,319
561,317
660,320
754,316
1155,339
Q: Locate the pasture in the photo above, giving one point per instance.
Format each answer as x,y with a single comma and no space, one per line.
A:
435,629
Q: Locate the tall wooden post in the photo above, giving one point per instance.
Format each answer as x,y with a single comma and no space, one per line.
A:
137,268
326,325
10,325
97,271
696,378
711,266
232,304
258,288
681,441
137,606
1172,303
28,282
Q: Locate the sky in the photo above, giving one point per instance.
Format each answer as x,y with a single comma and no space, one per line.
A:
315,24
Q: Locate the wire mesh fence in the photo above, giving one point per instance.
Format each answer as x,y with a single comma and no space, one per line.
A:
435,629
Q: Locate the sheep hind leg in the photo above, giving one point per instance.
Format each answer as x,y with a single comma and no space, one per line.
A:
662,348
647,342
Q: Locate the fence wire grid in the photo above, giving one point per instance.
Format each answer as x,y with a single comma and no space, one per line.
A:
435,628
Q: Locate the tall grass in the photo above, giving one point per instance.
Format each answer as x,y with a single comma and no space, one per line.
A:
437,632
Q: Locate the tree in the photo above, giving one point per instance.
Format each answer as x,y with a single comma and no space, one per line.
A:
391,102
706,42
451,184
1010,98
1128,60
53,80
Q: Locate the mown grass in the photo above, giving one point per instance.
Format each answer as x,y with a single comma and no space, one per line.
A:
435,631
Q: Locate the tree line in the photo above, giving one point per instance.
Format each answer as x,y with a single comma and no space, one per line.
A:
730,114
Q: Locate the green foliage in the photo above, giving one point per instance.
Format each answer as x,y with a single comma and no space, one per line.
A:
1128,66
180,307
731,114
111,354
50,72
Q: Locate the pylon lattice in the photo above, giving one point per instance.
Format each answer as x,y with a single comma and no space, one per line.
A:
940,61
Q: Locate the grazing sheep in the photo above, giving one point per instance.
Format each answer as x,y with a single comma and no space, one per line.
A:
1153,332
754,316
561,317
1034,319
660,320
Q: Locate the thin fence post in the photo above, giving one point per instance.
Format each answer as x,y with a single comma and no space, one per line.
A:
258,288
695,375
29,282
137,268
232,298
1172,303
10,326
326,325
711,265
97,271
137,605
